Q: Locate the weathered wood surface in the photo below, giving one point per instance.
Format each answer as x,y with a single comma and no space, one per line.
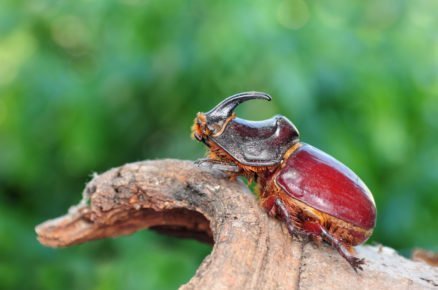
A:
251,250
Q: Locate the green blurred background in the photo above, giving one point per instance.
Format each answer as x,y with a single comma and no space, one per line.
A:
92,84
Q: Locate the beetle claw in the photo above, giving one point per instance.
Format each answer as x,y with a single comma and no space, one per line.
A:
301,236
201,162
356,263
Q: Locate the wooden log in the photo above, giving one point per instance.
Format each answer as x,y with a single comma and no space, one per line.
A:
251,250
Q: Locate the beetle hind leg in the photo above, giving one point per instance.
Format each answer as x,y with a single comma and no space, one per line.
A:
355,262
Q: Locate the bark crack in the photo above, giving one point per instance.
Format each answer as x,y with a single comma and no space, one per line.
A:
301,266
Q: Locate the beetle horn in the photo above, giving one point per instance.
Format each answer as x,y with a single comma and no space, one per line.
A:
225,108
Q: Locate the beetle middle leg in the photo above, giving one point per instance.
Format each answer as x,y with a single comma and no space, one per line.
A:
281,209
355,262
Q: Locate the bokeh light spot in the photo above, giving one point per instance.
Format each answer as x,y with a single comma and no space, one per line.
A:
293,14
15,50
71,33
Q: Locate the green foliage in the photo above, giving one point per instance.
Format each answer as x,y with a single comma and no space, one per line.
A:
88,85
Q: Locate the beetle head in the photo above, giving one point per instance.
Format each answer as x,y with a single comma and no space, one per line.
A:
214,121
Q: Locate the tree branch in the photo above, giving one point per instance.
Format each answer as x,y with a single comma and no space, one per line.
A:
251,250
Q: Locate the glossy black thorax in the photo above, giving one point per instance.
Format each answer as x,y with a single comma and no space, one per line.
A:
257,143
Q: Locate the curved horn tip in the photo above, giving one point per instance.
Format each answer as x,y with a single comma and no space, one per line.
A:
260,95
225,108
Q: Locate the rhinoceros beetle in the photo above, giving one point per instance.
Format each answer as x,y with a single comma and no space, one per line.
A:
314,194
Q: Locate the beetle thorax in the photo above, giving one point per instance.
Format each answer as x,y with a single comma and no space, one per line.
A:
253,173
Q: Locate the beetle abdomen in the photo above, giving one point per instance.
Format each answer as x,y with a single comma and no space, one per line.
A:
322,182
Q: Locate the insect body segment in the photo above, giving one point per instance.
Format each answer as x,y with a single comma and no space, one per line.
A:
313,193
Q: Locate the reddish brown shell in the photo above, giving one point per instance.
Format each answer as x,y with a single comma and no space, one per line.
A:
322,182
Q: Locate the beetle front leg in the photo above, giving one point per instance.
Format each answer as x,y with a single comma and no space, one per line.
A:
355,262
218,165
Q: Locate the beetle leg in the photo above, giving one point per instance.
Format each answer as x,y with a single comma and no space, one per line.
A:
218,165
293,230
355,262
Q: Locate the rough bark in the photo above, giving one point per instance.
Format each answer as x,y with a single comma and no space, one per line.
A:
251,250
